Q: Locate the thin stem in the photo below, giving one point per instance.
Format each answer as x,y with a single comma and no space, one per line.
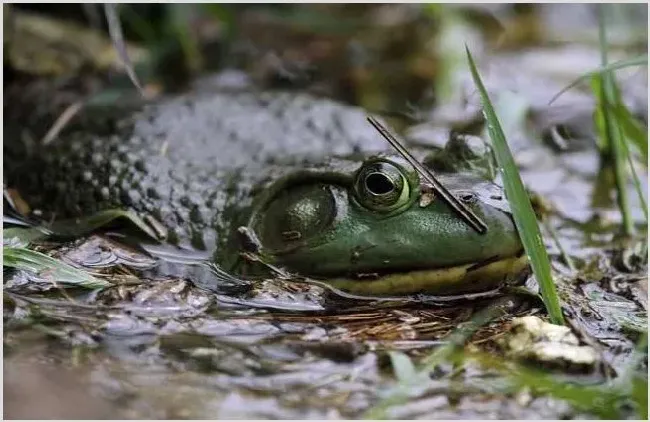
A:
612,129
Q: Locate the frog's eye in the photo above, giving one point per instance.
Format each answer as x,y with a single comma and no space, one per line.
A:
381,186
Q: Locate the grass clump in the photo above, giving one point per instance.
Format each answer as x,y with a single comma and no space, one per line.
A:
615,126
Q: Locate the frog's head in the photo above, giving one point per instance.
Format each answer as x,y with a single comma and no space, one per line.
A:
374,229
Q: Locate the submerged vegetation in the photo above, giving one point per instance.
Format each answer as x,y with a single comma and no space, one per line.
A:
179,349
48,268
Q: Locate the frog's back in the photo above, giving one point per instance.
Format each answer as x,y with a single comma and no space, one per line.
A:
186,160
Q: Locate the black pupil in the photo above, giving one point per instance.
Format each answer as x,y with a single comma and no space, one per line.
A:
379,184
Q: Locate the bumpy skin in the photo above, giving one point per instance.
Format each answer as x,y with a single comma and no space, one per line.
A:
190,162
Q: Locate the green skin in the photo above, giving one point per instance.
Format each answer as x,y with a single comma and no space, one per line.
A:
203,165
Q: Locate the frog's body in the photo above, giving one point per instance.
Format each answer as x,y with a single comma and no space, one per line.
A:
202,165
188,160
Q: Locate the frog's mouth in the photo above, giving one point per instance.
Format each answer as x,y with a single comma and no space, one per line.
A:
469,278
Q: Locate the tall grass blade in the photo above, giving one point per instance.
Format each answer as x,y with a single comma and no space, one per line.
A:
522,209
180,21
558,243
140,26
77,227
635,61
610,131
222,14
633,130
635,178
115,31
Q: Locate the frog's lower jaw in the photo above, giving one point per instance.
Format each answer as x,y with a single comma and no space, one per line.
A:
470,278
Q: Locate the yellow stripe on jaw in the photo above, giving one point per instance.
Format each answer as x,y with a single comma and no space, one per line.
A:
452,280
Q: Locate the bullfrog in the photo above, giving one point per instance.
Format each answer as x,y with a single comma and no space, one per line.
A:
316,186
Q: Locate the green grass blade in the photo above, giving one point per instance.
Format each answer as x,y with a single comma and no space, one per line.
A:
633,130
22,236
598,400
77,227
635,61
635,178
49,268
631,378
180,15
640,396
558,243
144,29
117,36
410,378
604,401
600,124
459,336
610,130
223,14
522,209
635,134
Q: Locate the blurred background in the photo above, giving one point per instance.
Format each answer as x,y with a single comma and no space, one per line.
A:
395,57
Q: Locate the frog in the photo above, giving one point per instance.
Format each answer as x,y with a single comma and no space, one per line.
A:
318,188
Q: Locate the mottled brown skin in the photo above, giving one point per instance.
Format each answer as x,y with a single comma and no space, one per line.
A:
190,161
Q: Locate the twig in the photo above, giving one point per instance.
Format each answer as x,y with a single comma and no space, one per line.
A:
461,209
